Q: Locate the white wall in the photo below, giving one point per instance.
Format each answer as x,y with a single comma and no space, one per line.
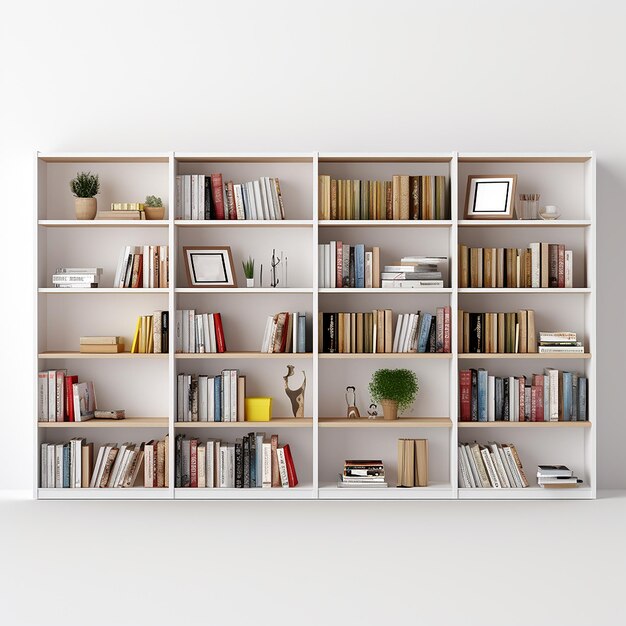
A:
371,76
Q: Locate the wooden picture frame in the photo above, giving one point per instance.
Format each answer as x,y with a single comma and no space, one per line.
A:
209,266
490,197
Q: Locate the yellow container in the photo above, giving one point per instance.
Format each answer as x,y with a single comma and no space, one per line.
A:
258,409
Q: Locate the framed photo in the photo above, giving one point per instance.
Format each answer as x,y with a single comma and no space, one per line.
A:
490,197
209,266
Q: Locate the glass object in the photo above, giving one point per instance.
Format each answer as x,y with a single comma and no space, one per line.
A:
528,206
550,212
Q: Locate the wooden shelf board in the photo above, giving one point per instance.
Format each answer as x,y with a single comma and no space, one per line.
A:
524,424
129,422
301,492
244,290
132,493
434,491
532,356
385,157
383,292
103,223
526,157
385,223
102,290
582,492
387,355
245,355
231,157
68,354
276,422
244,223
524,223
402,422
487,290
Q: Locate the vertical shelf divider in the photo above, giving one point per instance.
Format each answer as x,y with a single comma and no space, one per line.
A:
454,305
171,357
315,327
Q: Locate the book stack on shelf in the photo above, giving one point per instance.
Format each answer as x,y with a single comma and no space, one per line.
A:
151,334
362,473
63,399
559,343
77,277
401,198
101,345
285,332
348,266
208,197
218,398
497,333
414,272
492,466
373,332
123,211
551,397
142,267
540,265
251,462
412,462
557,477
198,333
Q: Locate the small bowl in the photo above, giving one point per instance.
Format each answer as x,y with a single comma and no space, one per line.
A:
550,216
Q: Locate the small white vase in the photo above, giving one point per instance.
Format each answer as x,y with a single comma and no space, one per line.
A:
249,282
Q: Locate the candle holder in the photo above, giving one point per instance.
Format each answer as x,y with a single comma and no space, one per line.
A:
550,212
527,206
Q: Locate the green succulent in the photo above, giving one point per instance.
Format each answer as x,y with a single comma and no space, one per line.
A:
248,267
85,185
153,201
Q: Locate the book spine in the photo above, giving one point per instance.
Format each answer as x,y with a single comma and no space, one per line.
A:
218,196
465,395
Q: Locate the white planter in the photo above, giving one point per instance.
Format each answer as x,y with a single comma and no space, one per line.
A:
249,282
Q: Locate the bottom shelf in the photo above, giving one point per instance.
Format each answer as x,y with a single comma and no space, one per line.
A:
134,493
305,492
434,491
584,492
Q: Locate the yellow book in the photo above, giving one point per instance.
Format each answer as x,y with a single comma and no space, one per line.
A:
135,347
142,336
150,334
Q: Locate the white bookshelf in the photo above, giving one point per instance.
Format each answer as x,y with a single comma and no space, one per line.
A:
145,385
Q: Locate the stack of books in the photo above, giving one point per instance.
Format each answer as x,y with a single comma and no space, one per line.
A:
348,266
208,197
492,333
557,477
412,462
362,473
285,332
102,345
61,398
252,461
492,466
414,272
559,343
151,334
199,332
218,398
77,277
123,211
142,267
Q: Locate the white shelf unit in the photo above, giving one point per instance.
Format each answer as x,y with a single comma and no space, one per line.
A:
322,440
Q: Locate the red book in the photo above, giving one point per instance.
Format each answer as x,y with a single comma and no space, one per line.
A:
561,271
193,463
283,339
538,385
219,333
465,393
218,196
339,264
69,397
533,404
291,468
447,312
553,265
230,192
522,398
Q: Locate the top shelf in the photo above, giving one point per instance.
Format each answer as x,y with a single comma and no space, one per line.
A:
524,223
244,223
103,223
386,223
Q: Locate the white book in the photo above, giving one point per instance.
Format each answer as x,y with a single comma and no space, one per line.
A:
238,197
191,314
178,330
329,265
512,387
569,269
72,461
187,196
210,395
118,269
403,342
234,375
117,464
42,388
231,465
396,337
97,466
463,482
185,330
468,464
472,464
502,475
411,284
43,466
206,333
553,405
226,396
271,212
333,255
199,328
505,464
515,416
210,463
267,464
282,467
489,466
52,396
186,408
51,460
265,347
513,466
124,465
264,204
251,200
78,476
491,398
465,475
223,467
194,196
203,407
257,200
145,272
321,262
107,448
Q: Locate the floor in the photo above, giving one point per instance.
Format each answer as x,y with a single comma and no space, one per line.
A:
301,563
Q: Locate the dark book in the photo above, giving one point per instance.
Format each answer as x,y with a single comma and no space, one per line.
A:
553,265
465,395
66,465
252,463
208,199
193,399
246,462
178,473
193,462
505,397
165,332
432,336
414,197
334,336
475,332
474,397
561,266
499,399
238,464
352,270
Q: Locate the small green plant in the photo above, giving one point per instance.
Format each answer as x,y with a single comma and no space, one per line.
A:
248,267
85,185
153,201
397,384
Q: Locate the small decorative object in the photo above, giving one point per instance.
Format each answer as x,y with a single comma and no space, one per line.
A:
296,396
274,282
154,208
372,413
84,401
528,206
248,271
209,266
394,389
85,187
258,409
109,414
490,197
353,411
550,212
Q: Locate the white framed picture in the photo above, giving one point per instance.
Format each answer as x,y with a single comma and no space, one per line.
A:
490,197
209,266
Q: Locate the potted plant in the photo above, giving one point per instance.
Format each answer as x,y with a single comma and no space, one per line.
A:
248,271
394,390
85,187
154,208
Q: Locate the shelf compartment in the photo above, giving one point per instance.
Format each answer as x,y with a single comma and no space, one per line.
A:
501,424
259,493
277,422
488,290
61,354
244,355
244,290
385,292
244,223
403,422
531,356
102,290
132,493
129,422
524,223
385,223
386,355
583,492
435,491
102,223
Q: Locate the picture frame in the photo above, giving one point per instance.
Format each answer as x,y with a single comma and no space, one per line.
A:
490,197
209,266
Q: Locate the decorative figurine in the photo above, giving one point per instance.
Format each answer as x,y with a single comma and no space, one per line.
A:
274,264
353,411
372,413
296,396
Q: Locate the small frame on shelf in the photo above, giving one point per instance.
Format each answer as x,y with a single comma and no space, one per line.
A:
209,266
490,197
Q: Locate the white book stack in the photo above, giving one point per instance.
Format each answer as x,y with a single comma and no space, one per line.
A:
77,277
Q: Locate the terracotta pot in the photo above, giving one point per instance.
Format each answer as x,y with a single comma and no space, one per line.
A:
390,409
86,208
154,212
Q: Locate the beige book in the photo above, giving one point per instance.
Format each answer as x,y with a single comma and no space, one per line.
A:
545,266
531,333
459,337
380,340
395,197
523,342
359,333
86,464
388,330
353,333
421,462
108,340
376,267
404,197
463,266
501,333
241,399
101,348
167,460
466,331
160,459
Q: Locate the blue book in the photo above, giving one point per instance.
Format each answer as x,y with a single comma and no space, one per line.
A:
582,399
218,398
359,265
66,465
482,395
424,332
574,397
301,347
567,396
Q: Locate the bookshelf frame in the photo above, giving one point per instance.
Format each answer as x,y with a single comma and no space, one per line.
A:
322,430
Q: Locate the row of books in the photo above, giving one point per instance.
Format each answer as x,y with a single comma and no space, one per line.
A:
208,197
552,396
493,333
251,462
199,332
373,332
362,473
77,277
347,265
218,398
107,344
401,198
71,465
540,265
285,332
142,267
61,398
412,462
556,477
494,465
560,342
151,334
415,272
123,211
